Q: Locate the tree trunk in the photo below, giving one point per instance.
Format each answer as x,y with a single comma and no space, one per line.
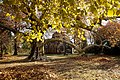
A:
84,44
1,54
37,52
37,49
33,47
15,47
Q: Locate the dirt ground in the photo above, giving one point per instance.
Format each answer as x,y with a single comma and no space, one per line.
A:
94,67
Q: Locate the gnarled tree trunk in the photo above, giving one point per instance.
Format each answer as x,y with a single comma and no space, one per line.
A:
33,47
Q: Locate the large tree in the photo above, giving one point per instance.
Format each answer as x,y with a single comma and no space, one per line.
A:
59,13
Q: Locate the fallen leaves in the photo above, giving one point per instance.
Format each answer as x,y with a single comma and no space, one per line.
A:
35,72
88,68
73,68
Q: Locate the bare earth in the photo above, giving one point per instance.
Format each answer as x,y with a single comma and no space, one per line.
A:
61,68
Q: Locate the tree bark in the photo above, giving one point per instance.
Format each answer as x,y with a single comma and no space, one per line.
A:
15,47
1,54
33,47
37,52
11,29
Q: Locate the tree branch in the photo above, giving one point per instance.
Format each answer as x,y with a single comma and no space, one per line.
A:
10,29
61,40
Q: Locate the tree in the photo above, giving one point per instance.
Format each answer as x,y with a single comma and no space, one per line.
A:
60,13
8,25
4,35
40,13
110,32
109,35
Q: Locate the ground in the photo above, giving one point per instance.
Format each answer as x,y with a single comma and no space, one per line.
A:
94,67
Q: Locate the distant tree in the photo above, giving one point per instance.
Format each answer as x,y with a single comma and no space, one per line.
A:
110,32
7,26
109,37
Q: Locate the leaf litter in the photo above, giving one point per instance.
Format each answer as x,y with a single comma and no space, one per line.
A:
71,68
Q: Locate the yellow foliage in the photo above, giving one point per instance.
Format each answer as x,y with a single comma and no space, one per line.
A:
12,17
53,26
8,14
58,30
83,32
44,31
28,40
70,13
33,36
39,35
83,38
21,40
113,12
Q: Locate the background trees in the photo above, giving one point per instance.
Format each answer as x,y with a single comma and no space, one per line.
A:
109,35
